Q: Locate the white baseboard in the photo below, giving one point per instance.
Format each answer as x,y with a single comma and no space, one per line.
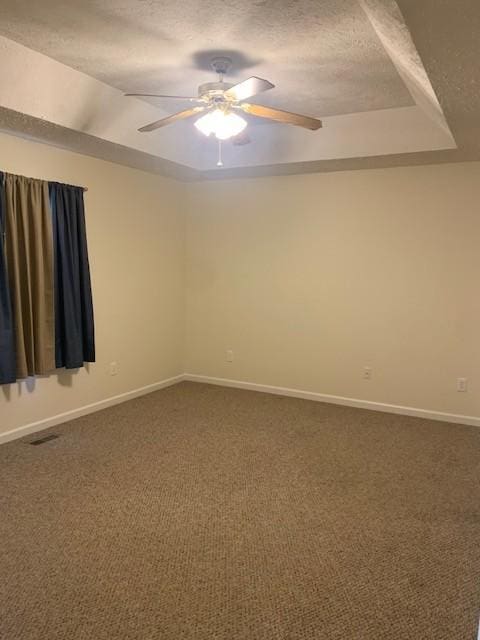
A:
349,402
225,382
25,430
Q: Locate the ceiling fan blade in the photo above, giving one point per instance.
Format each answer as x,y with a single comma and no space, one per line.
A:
248,88
181,115
241,138
159,95
286,117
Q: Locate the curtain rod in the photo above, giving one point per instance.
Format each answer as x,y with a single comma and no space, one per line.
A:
66,184
84,189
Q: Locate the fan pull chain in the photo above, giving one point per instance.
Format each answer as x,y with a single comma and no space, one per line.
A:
220,161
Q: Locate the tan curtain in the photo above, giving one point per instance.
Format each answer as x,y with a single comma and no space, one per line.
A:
29,256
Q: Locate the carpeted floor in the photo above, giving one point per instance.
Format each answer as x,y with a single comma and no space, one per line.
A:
206,513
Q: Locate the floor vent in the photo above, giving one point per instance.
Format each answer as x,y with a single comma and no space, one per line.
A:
52,436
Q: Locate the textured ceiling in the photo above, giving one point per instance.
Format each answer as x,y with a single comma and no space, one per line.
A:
372,69
325,58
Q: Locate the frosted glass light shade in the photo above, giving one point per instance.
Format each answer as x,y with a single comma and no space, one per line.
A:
223,125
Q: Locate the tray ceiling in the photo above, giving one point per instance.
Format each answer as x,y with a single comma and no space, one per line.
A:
324,57
351,62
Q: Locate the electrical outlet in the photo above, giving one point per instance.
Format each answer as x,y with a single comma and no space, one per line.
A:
462,385
113,368
229,355
367,373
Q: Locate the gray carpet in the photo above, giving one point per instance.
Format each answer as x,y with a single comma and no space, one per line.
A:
206,513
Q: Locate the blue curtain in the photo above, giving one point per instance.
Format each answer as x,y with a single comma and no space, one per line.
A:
74,326
7,336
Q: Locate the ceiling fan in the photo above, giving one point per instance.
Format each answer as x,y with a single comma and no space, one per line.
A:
221,102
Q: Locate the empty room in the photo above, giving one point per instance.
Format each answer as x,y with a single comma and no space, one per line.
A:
240,320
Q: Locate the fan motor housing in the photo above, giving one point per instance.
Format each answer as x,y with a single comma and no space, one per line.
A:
213,90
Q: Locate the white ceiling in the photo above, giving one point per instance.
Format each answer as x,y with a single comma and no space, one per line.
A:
325,58
350,62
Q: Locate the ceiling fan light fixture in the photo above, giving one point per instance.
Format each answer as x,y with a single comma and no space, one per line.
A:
224,124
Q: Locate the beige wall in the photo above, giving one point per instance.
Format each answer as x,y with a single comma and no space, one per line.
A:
136,243
310,278
306,278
